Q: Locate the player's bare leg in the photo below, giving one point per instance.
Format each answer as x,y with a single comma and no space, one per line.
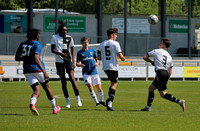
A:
50,96
93,94
36,93
100,94
64,88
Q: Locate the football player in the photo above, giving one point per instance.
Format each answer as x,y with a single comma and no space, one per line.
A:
108,52
163,63
34,70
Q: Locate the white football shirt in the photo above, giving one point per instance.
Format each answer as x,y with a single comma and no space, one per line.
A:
109,50
59,46
162,59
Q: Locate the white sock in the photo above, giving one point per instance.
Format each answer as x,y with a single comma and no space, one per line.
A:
93,95
110,103
101,96
53,104
78,98
33,100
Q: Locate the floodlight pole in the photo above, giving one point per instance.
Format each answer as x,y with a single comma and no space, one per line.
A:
99,21
29,14
56,15
125,25
163,17
189,28
63,6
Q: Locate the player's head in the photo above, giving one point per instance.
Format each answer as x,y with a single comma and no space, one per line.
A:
33,34
166,42
112,33
83,39
62,30
85,42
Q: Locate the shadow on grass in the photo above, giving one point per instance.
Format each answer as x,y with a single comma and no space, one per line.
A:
12,115
92,109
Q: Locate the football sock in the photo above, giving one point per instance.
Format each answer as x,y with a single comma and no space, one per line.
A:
33,100
101,96
78,98
111,95
171,98
53,103
93,95
67,99
150,99
76,91
110,104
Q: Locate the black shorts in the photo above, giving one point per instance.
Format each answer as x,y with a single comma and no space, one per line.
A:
161,79
63,68
112,75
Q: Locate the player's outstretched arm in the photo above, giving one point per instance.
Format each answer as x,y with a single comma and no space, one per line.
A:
121,56
146,58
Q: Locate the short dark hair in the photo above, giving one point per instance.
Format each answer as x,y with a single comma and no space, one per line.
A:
111,31
32,33
167,42
84,39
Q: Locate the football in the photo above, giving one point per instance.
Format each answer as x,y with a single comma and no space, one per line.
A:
153,19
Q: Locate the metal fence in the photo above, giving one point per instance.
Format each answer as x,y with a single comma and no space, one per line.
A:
135,46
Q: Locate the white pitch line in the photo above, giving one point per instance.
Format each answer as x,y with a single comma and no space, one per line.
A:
62,97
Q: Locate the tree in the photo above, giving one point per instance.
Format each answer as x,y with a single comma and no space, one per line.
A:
196,8
136,7
145,7
176,7
12,4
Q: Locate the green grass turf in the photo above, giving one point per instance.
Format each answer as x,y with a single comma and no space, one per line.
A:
129,99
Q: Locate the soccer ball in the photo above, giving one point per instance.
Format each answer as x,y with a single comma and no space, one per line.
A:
153,19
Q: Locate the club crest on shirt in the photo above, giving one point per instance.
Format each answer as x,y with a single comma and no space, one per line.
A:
82,54
91,53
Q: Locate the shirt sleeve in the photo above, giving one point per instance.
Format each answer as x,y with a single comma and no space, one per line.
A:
38,48
171,63
71,44
19,50
95,54
99,49
118,48
151,53
53,40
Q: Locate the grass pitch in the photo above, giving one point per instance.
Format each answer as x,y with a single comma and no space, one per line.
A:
129,99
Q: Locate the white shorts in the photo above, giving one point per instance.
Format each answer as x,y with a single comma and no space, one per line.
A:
35,77
92,79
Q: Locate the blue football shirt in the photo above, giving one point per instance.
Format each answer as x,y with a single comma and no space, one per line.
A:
27,50
87,57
